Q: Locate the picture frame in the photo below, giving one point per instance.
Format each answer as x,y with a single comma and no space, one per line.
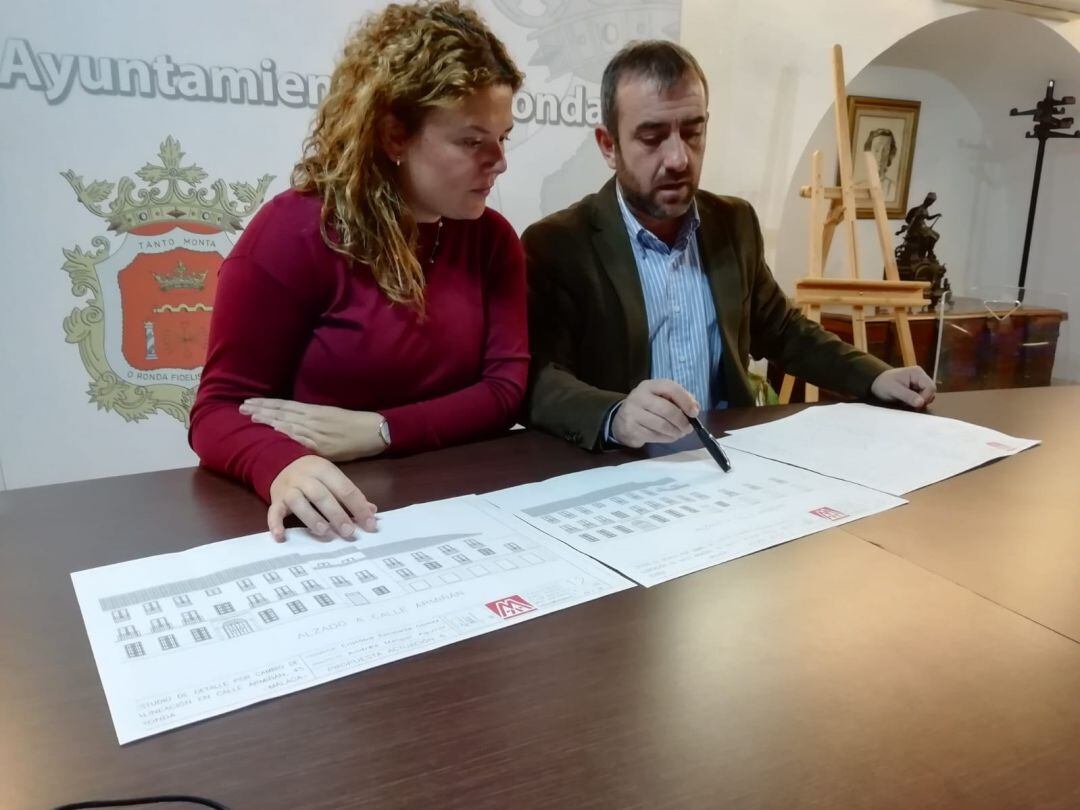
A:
888,127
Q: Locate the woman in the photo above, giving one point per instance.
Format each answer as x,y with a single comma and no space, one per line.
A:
377,306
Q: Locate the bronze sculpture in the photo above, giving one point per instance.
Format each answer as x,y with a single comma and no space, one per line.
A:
915,258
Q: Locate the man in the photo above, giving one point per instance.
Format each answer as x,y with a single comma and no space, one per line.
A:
647,297
882,143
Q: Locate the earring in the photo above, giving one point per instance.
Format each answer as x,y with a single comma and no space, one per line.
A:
398,163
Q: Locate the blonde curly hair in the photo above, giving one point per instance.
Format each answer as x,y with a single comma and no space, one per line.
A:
403,61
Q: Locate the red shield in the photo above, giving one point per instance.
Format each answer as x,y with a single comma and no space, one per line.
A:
167,297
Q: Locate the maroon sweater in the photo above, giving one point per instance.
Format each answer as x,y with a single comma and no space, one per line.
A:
295,320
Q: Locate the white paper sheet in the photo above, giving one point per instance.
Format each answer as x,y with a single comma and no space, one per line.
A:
889,450
182,637
660,519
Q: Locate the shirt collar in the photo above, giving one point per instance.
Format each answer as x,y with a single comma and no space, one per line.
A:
650,241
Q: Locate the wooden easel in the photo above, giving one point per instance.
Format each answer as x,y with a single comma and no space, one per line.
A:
815,291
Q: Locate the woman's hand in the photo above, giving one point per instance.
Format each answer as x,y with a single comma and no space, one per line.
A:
333,433
322,496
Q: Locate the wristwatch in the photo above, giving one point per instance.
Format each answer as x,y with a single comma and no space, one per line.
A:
384,433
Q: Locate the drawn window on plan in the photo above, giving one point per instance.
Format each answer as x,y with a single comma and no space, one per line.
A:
235,628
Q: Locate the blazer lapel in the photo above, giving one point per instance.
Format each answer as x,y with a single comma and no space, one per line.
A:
612,244
721,265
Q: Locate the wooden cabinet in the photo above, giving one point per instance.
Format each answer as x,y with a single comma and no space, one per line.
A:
980,348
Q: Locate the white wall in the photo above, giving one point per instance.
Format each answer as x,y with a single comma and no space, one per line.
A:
974,155
947,159
770,75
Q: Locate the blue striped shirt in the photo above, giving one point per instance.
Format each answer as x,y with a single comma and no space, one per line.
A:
684,337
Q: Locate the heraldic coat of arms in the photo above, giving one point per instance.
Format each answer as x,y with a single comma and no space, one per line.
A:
142,332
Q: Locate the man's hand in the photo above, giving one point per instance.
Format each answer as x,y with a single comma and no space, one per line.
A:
909,385
655,411
333,433
322,496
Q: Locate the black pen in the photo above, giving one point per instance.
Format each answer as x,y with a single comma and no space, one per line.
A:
713,446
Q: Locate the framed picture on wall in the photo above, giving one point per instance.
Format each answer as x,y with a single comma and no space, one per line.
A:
886,127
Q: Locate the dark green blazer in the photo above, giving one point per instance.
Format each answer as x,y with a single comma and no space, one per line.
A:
588,331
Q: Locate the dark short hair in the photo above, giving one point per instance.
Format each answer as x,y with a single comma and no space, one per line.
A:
878,133
658,59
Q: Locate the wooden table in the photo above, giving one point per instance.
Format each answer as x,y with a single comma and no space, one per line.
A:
926,657
1009,531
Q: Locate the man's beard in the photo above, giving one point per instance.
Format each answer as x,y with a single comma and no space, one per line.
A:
647,205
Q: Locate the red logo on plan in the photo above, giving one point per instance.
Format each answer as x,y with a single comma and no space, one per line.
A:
509,606
828,514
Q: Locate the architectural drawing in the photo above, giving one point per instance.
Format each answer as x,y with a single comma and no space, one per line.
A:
232,602
660,519
186,636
